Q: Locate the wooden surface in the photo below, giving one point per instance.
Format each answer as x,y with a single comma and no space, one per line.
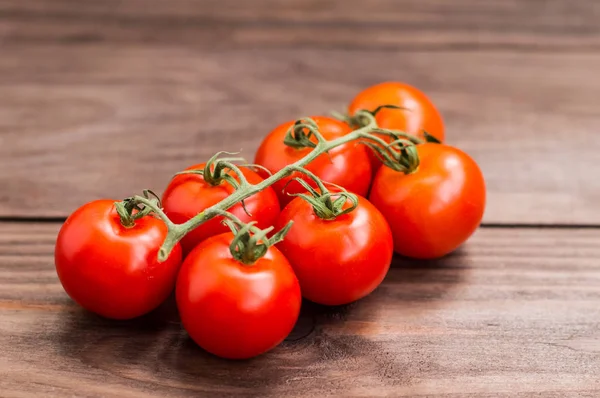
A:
514,313
105,98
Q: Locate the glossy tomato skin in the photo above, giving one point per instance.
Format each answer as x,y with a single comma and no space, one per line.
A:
347,165
189,194
336,261
420,115
435,209
110,269
234,310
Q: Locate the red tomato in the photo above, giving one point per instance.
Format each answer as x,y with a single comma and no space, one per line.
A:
110,269
235,310
420,115
436,208
337,261
347,165
189,194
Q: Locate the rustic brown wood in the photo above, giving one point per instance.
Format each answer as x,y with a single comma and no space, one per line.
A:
389,24
82,122
515,313
103,99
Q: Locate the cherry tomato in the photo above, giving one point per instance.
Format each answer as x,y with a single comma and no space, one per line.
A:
110,269
235,310
347,165
420,113
189,194
337,261
436,208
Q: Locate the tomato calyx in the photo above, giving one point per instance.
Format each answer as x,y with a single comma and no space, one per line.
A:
430,138
251,243
399,155
218,169
130,210
300,133
328,205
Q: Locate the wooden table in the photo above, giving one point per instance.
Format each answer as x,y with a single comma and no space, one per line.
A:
105,98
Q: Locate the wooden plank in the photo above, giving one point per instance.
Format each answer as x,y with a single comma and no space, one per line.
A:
84,122
515,313
408,24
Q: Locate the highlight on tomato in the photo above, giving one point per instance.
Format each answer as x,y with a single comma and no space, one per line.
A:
205,184
340,245
348,165
435,208
237,294
110,268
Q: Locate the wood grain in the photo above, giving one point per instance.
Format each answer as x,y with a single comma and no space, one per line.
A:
515,313
84,122
424,25
103,99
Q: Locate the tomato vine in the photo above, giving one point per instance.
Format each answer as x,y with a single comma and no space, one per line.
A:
400,154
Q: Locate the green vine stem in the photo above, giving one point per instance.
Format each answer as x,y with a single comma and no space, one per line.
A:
400,154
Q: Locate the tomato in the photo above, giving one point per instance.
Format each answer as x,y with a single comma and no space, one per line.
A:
232,309
347,165
420,113
110,269
337,261
189,194
436,208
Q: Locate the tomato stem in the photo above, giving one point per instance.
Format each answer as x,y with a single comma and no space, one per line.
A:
400,155
124,214
216,170
250,242
298,136
322,201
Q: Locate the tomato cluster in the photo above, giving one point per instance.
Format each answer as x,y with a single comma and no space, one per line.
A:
238,288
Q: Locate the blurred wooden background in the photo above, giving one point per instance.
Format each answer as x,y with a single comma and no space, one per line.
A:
105,98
